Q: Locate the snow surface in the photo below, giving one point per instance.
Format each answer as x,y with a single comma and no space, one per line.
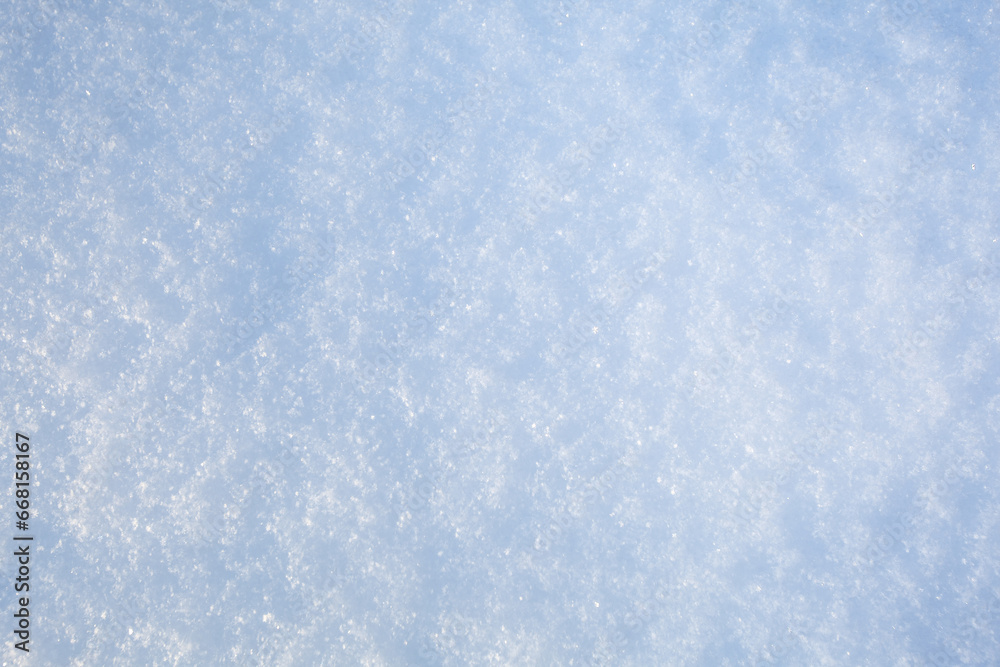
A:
519,333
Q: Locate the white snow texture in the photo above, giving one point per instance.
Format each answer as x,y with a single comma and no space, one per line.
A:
567,332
